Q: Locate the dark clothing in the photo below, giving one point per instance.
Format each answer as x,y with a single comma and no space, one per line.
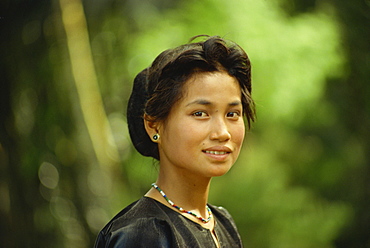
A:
149,223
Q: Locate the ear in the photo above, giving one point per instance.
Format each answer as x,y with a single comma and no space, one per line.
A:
152,127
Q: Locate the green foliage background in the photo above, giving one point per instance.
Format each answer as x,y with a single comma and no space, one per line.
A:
302,179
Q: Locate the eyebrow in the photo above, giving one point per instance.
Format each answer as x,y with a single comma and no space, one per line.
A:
206,102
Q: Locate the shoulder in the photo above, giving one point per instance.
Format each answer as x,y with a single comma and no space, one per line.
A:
224,217
219,209
221,212
143,222
226,228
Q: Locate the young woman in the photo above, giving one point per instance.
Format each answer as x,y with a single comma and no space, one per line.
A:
186,110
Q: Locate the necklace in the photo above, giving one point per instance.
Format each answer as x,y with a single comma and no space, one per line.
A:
183,210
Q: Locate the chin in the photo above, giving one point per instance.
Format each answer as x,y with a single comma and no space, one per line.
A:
220,172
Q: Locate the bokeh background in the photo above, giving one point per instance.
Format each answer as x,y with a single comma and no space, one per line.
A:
66,162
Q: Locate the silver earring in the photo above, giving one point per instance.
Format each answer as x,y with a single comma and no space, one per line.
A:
156,136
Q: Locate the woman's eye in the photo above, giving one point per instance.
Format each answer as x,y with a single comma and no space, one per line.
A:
233,115
200,114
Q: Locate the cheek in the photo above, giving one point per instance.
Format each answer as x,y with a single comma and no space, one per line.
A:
238,135
179,142
189,133
176,133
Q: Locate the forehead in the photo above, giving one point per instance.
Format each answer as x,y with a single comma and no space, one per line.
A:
211,84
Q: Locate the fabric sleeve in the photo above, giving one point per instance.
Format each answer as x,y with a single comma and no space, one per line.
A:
140,233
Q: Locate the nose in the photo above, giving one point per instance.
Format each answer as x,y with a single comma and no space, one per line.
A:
220,130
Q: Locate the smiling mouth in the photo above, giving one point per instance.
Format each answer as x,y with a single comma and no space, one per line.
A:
216,152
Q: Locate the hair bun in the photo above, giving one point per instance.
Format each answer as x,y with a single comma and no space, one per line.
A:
135,113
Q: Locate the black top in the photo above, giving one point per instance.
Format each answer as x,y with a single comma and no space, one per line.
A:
149,223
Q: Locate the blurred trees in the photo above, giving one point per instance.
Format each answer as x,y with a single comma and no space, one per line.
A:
302,179
347,144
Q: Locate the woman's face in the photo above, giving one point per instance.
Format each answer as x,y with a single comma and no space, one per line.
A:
204,131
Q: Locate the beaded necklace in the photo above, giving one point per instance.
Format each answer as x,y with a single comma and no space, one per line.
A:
183,210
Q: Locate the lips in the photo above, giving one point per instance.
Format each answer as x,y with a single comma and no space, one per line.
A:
218,149
217,152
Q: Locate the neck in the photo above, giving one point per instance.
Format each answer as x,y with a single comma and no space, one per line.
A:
185,191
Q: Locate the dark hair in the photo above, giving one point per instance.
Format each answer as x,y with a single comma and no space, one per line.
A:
157,88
